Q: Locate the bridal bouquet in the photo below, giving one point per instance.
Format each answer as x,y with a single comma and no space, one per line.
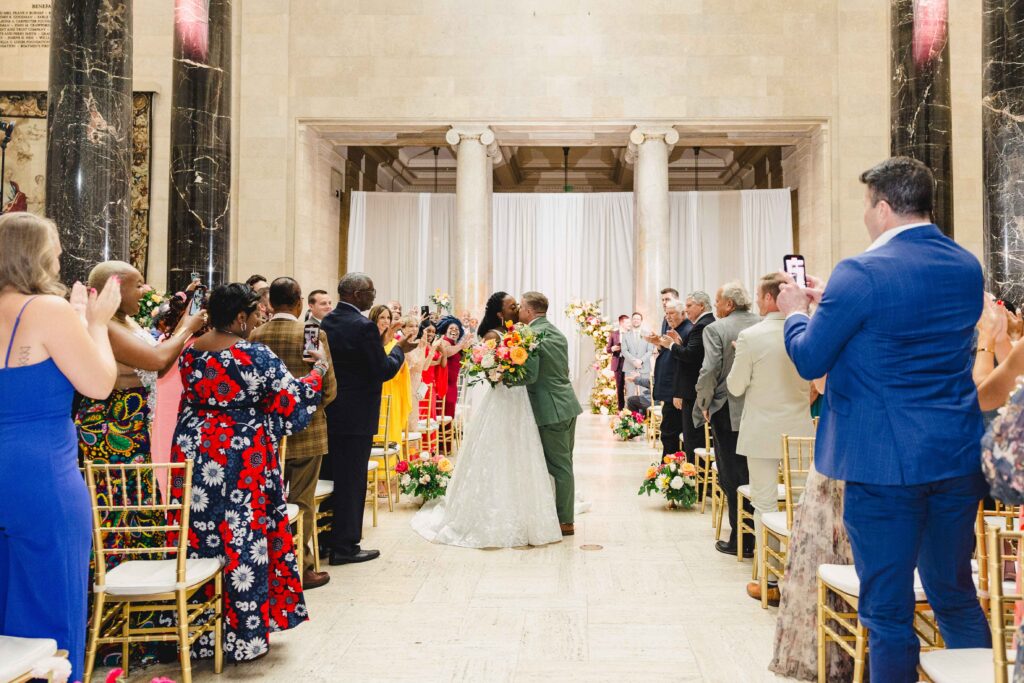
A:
502,361
628,425
425,476
148,305
674,478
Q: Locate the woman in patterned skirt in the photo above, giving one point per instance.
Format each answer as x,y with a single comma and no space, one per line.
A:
116,430
239,401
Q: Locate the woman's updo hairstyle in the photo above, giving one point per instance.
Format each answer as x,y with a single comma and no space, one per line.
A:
227,301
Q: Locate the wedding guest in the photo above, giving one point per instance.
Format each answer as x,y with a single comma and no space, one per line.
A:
722,409
665,370
435,375
319,305
416,362
636,351
362,367
614,348
396,308
118,428
455,340
239,402
774,403
399,387
52,348
688,354
910,460
641,400
668,294
285,335
259,284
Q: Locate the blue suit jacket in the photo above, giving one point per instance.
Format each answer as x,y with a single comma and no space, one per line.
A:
894,333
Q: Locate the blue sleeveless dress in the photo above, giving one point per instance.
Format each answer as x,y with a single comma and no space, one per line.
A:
45,518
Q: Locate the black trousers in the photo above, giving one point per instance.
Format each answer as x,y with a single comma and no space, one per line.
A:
620,389
671,426
732,468
346,466
693,436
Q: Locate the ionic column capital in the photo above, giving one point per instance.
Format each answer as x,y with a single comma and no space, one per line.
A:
481,134
640,135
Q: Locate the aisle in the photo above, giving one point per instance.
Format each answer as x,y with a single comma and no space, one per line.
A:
655,603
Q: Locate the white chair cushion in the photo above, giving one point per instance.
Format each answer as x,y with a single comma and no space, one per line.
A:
656,410
372,465
144,577
292,510
844,578
444,418
776,522
714,465
413,436
19,655
961,666
423,426
703,452
378,451
998,522
324,487
745,491
1009,587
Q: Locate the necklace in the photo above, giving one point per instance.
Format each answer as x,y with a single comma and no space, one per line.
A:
226,332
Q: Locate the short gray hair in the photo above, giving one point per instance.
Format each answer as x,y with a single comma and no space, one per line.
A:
701,298
735,292
352,283
675,305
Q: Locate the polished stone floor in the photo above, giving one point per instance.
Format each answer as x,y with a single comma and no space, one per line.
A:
638,594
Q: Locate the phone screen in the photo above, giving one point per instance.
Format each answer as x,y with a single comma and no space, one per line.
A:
311,340
198,301
424,311
796,267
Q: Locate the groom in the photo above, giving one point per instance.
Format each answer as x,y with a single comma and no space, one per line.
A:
554,403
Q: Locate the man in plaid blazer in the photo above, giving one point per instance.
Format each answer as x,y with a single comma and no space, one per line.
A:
284,334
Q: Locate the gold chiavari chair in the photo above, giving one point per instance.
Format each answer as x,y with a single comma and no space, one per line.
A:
745,520
1001,517
1003,548
446,428
150,585
19,657
797,459
294,512
386,453
428,427
703,460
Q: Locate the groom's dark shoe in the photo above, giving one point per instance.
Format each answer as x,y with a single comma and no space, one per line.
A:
568,529
362,556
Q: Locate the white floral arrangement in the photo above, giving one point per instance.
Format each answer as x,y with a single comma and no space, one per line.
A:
593,323
442,300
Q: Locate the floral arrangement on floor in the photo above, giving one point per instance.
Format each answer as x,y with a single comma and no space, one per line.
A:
425,476
118,676
502,361
441,300
674,478
593,323
148,305
628,425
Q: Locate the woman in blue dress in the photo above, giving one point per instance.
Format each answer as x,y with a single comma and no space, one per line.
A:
51,348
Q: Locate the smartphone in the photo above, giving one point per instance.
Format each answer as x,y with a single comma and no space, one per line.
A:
194,276
424,311
198,300
796,267
311,339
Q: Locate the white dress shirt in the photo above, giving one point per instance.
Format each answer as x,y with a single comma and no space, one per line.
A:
283,316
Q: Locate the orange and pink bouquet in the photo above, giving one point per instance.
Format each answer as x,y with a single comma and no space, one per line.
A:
674,478
503,361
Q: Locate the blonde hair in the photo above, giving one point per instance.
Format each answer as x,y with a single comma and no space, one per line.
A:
537,302
28,259
102,272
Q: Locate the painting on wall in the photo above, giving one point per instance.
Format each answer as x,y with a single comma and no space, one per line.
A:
25,189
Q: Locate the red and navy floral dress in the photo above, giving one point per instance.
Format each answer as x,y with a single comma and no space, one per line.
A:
235,407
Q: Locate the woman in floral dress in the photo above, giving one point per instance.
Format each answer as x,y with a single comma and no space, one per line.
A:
239,401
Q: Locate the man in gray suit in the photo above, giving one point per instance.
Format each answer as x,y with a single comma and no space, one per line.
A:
719,407
636,352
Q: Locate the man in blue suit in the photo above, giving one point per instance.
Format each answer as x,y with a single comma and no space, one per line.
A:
893,331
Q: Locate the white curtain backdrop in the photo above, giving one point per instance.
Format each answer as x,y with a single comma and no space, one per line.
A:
568,246
403,241
722,236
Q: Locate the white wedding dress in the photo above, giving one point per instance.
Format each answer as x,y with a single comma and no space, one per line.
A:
500,495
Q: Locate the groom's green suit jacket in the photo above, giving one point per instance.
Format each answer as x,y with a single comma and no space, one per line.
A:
547,377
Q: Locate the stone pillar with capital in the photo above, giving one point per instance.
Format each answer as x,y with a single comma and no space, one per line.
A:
475,149
648,149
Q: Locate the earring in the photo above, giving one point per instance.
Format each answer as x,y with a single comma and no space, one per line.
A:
243,327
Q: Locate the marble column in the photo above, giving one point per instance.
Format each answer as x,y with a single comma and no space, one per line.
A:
89,127
471,269
648,150
1003,146
920,116
199,212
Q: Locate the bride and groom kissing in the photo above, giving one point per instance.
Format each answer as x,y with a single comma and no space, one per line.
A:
517,440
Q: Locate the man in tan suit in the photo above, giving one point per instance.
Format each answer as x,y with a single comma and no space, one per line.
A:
284,334
776,403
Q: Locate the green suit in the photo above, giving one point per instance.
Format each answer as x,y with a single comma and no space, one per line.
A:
555,408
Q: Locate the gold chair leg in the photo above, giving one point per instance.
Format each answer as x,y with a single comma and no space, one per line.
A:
822,662
718,522
126,627
373,498
387,479
94,634
300,545
859,659
184,654
218,624
316,536
739,529
762,559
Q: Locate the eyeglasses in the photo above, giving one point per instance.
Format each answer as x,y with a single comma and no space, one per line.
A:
371,291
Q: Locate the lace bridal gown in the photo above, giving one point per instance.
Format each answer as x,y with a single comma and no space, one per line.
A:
500,494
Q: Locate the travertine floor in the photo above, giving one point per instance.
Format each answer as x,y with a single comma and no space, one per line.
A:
656,602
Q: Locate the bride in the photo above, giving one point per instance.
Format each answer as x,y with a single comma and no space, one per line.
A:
500,495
